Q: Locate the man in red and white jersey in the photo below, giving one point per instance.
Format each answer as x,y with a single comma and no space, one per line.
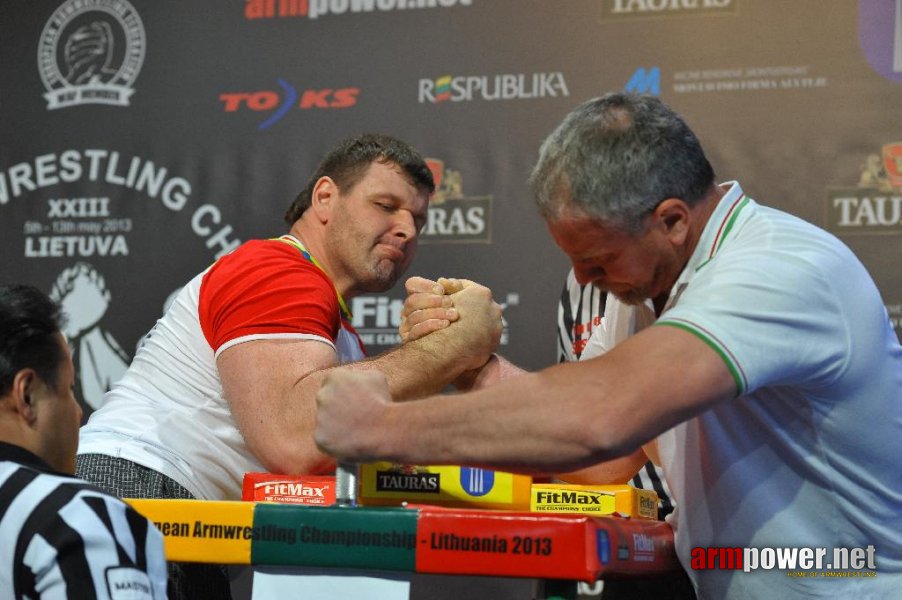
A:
225,381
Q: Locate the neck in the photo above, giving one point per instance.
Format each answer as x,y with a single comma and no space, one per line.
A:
313,239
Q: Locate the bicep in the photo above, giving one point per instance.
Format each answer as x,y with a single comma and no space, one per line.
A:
260,380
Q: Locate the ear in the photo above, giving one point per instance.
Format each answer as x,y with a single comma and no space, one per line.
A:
24,393
324,195
672,216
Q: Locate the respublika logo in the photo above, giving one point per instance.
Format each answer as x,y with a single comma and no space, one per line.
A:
880,36
278,103
639,9
314,9
507,86
875,204
90,52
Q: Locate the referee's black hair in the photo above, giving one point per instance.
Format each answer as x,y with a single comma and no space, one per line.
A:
29,322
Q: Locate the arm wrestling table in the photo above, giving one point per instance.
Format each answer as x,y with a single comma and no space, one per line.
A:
407,552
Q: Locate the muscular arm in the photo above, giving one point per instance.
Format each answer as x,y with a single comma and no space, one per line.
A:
270,384
560,419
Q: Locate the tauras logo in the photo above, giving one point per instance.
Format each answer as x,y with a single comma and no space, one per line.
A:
452,216
90,52
395,481
875,204
631,9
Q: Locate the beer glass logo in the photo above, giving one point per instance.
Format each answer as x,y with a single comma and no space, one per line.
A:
476,482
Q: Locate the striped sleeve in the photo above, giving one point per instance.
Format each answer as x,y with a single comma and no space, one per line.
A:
73,541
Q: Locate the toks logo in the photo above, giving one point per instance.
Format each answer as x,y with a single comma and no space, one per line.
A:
280,103
875,205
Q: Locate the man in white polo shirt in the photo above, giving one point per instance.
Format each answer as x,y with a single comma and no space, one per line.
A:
769,387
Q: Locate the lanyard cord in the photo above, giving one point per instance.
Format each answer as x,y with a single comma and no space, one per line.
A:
292,241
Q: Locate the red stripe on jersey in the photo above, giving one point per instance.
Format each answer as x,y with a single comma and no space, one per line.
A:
266,287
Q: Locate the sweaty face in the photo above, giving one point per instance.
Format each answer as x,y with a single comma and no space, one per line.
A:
632,267
58,416
374,227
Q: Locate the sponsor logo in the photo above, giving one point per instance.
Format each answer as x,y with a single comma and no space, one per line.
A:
314,9
643,548
747,79
645,81
571,497
875,204
618,10
799,562
377,318
278,103
400,481
476,482
128,583
454,217
291,488
508,86
880,36
90,52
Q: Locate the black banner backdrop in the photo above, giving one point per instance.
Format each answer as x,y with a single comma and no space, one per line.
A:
140,140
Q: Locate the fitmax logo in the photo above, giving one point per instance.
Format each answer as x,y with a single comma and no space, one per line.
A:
281,103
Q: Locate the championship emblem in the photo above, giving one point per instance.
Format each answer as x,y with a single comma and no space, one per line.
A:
90,52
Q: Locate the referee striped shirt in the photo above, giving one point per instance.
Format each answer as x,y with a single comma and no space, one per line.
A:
580,313
60,537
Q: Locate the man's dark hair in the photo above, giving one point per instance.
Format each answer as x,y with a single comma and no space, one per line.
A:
347,163
29,322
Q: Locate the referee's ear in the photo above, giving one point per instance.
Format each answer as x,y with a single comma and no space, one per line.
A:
22,393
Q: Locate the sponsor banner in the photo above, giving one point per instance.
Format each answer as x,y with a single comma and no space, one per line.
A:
204,531
275,104
384,483
500,87
624,500
797,562
625,10
317,490
315,9
746,79
348,538
874,205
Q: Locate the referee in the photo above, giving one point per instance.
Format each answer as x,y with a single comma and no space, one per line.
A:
59,536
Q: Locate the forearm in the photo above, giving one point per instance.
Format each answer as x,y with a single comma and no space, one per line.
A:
532,427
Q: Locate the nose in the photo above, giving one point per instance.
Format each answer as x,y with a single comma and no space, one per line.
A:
405,226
